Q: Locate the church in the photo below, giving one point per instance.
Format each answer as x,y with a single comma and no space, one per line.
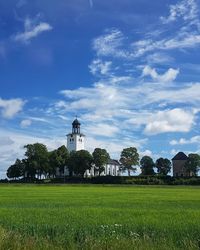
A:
76,142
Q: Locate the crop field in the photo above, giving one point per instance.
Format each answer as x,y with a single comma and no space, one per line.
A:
99,217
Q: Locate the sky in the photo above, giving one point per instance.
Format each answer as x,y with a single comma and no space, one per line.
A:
130,71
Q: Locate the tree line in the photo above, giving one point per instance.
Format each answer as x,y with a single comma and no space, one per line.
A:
39,162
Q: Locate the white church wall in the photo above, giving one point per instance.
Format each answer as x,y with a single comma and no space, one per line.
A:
75,142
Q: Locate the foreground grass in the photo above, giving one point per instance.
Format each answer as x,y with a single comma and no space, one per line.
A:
99,217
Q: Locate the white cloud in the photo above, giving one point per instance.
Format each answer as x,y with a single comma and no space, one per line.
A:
32,29
101,97
185,9
180,41
110,44
188,94
9,108
159,58
146,152
103,129
175,120
169,76
183,141
99,67
6,141
113,43
134,106
25,123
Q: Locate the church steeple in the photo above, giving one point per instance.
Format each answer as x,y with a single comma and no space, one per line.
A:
75,140
76,126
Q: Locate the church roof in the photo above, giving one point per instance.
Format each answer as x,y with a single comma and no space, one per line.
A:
113,162
76,122
180,156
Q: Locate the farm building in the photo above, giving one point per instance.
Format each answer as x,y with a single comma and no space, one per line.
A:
178,163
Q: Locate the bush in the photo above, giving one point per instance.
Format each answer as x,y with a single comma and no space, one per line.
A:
129,180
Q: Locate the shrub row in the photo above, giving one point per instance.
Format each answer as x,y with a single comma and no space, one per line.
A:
132,180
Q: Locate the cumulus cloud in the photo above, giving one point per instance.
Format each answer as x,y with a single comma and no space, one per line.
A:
9,108
175,120
183,141
134,106
169,76
32,29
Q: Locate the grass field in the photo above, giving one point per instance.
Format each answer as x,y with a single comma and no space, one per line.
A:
99,217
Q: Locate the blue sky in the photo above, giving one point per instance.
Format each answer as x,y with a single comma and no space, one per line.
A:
128,69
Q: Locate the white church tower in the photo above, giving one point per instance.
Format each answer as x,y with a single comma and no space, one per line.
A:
75,140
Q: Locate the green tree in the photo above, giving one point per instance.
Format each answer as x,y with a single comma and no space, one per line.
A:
15,170
63,157
79,162
129,158
163,166
53,163
72,162
147,165
58,159
100,158
193,164
37,158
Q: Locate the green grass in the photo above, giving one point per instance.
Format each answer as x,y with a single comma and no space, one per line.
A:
99,217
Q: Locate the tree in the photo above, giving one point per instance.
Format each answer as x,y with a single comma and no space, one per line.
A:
163,166
58,159
193,164
79,162
37,158
53,163
129,158
63,157
100,158
72,162
147,165
27,169
15,170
